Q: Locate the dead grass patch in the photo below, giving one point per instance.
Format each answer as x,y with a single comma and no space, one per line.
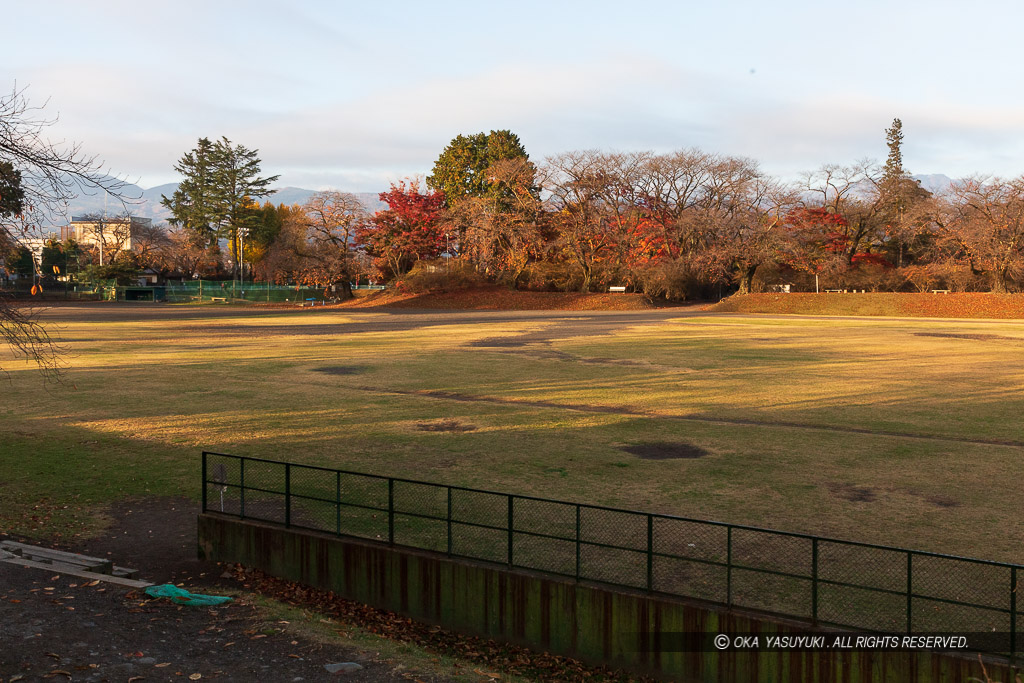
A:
340,370
665,451
445,426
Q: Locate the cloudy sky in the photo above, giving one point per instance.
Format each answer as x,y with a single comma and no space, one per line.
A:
354,95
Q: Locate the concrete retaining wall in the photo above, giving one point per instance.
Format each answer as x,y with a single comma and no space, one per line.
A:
593,623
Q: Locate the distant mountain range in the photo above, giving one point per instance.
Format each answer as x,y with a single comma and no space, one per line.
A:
936,183
146,203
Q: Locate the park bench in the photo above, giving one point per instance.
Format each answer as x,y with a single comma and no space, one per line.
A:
617,288
219,299
940,291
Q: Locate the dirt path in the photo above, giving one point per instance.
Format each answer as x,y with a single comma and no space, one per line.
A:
635,412
55,627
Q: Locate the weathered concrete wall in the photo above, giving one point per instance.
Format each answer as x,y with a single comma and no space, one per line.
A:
595,624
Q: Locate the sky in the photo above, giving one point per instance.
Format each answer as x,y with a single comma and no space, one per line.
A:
356,95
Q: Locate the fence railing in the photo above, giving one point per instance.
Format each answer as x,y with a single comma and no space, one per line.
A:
826,581
237,290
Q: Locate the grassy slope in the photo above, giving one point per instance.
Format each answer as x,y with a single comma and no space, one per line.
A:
503,298
150,395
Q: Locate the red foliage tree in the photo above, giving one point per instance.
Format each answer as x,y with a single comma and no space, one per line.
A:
410,229
815,241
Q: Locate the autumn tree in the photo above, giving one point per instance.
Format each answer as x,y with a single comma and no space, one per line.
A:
577,183
853,193
984,227
750,230
150,246
264,231
814,241
38,178
323,237
190,254
500,231
689,202
410,229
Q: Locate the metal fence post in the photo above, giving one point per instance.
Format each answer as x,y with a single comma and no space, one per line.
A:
204,481
337,495
650,552
449,520
241,488
728,567
287,494
910,590
578,557
814,581
391,511
1013,615
510,558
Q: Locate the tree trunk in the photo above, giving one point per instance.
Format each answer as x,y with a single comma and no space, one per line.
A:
344,290
747,278
999,281
585,285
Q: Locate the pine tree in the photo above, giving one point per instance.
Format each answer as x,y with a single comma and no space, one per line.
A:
893,171
193,205
237,183
214,200
899,192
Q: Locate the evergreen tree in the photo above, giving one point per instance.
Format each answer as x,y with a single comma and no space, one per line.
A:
461,170
20,261
237,182
12,195
898,194
215,198
193,205
893,170
52,261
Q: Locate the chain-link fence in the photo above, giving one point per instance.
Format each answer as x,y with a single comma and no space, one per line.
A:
55,290
822,580
215,291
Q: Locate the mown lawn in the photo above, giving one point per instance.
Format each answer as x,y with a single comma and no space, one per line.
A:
903,433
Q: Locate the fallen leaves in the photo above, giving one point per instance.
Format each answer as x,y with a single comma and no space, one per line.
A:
892,304
511,659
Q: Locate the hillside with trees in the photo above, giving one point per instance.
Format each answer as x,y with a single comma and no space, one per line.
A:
688,224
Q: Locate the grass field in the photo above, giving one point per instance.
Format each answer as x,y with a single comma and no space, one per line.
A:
891,304
897,432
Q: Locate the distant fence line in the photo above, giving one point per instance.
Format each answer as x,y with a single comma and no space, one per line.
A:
210,290
826,581
196,291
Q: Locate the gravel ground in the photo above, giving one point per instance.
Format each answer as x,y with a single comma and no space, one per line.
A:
55,627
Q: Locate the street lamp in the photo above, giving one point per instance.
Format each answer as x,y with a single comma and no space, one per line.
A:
242,232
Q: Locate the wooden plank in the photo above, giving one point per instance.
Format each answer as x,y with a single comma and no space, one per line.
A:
72,570
33,552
